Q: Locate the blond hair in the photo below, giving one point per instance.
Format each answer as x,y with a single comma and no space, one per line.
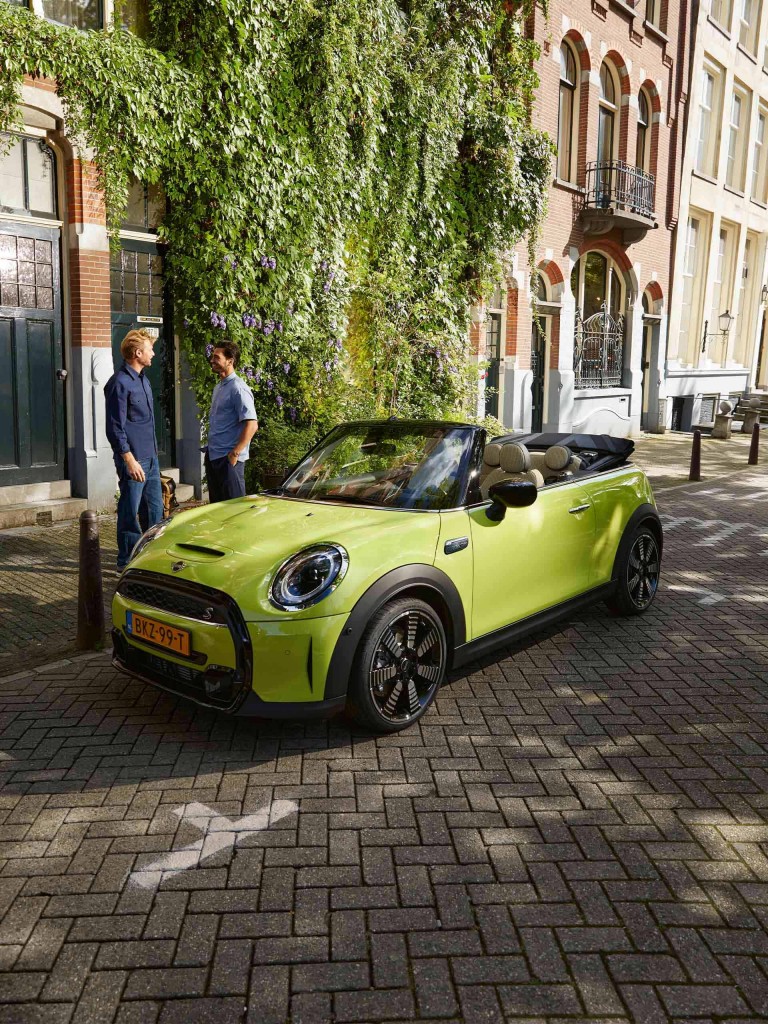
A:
134,342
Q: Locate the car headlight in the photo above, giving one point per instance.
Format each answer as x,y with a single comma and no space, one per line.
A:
151,534
308,577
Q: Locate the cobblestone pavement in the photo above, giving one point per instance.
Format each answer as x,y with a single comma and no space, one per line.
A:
577,831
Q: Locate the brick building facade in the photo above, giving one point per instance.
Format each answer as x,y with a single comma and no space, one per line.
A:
65,305
613,94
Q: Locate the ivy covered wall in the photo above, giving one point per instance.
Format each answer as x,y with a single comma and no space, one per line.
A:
343,176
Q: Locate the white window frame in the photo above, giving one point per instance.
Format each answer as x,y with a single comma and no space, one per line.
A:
722,12
739,111
749,24
759,181
708,133
691,299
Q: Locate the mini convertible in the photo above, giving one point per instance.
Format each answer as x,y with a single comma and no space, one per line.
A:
394,551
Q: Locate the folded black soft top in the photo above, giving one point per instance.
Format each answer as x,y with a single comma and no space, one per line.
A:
602,443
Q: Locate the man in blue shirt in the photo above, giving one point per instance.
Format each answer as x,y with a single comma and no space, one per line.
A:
231,426
131,432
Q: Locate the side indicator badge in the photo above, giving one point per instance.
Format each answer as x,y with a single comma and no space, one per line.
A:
458,544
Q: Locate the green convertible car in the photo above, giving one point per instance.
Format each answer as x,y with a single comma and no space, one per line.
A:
394,551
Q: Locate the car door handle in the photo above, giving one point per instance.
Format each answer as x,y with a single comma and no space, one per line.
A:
578,508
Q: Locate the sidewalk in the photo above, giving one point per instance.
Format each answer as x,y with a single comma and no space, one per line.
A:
39,564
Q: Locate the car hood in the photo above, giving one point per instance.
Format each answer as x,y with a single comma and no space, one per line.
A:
236,546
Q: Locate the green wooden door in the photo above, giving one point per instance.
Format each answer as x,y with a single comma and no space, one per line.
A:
138,301
32,430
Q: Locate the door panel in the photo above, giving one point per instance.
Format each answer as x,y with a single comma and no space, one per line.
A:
9,442
535,558
41,363
32,435
139,300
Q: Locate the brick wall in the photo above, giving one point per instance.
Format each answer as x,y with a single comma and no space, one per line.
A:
598,30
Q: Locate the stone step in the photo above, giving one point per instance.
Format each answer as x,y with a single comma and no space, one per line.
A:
184,492
22,493
41,513
172,472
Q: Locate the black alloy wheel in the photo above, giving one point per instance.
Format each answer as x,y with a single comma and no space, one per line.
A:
639,575
400,665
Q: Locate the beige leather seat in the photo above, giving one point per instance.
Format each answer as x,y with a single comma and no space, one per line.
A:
491,455
560,463
514,464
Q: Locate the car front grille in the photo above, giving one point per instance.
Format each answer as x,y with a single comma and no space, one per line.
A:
169,597
214,686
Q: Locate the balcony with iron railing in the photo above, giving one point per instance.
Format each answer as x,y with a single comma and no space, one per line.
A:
618,195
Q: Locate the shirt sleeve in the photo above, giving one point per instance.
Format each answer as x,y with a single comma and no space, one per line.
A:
117,412
246,410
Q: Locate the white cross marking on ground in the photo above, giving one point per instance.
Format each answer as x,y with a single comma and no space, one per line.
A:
219,833
710,596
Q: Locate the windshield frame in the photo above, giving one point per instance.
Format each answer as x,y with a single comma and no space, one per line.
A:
467,461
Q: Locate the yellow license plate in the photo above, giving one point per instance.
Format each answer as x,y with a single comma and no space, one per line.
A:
171,638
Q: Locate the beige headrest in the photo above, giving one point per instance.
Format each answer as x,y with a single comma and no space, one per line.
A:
557,457
514,458
491,454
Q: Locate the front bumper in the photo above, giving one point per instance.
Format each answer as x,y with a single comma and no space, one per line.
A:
270,670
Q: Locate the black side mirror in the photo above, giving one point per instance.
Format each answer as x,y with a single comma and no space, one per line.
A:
510,494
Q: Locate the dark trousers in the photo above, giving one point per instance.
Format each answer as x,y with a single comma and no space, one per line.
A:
224,480
140,506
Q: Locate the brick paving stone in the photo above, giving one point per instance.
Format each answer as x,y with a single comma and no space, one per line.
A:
577,830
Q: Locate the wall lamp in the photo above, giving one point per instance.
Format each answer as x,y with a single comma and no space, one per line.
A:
725,320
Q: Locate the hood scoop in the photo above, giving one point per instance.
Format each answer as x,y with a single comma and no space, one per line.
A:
197,552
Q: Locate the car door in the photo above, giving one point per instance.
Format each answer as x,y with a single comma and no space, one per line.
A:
535,558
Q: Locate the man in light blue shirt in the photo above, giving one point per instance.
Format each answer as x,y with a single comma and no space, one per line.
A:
231,426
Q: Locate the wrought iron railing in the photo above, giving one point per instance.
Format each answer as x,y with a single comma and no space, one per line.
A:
612,183
598,353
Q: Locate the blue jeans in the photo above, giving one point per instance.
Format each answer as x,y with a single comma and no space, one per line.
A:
140,506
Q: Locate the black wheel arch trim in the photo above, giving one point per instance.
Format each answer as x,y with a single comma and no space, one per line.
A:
643,514
398,581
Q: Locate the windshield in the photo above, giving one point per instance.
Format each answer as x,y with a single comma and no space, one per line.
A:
392,465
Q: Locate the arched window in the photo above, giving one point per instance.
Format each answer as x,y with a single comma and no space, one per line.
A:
643,151
566,140
608,114
28,178
598,288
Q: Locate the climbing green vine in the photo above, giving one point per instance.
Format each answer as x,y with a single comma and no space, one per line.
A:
344,179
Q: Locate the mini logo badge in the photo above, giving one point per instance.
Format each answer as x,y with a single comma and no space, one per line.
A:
178,566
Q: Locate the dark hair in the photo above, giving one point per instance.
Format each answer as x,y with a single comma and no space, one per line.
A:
230,350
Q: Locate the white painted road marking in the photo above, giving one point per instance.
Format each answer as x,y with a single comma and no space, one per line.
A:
219,833
709,596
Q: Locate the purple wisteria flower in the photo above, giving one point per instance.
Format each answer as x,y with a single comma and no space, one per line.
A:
286,368
294,412
208,351
290,308
279,325
270,385
257,376
186,322
327,366
327,287
249,373
268,262
268,326
279,400
218,321
339,344
324,266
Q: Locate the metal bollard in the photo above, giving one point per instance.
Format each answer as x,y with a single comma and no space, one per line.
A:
754,445
695,472
90,594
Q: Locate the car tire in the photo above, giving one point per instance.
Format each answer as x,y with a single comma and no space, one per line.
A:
638,574
399,666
